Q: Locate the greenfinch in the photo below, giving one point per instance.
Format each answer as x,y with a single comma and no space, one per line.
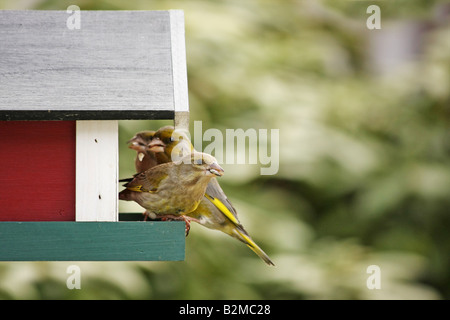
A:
173,189
145,159
214,211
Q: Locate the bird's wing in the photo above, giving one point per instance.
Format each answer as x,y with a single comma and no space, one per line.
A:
215,194
149,181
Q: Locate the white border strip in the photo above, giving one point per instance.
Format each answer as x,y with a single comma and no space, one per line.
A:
179,67
97,165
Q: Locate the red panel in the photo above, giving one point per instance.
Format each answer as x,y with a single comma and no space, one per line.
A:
37,170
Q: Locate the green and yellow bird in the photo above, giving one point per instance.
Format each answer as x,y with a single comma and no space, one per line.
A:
174,189
214,211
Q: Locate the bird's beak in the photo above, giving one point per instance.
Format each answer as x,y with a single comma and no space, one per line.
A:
216,169
133,144
156,145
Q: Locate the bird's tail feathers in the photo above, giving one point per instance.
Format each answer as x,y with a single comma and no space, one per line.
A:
243,236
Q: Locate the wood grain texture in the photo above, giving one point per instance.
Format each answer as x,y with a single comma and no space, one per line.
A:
92,241
118,65
37,170
97,170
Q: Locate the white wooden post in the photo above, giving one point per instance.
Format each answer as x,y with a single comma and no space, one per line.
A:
179,73
97,170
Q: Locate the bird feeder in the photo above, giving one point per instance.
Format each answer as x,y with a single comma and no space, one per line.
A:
64,84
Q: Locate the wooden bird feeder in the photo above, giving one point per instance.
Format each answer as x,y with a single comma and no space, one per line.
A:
62,92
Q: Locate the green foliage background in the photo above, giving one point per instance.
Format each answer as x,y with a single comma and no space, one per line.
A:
364,176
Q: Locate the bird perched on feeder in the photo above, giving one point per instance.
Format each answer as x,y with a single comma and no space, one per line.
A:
173,189
214,211
145,159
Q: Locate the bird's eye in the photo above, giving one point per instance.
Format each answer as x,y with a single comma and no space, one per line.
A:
198,161
172,139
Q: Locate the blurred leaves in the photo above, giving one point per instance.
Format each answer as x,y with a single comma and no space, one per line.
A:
364,175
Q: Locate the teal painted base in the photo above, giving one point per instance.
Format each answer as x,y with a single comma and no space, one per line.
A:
92,241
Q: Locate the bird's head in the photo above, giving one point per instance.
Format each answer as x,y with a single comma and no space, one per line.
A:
203,162
175,144
140,141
